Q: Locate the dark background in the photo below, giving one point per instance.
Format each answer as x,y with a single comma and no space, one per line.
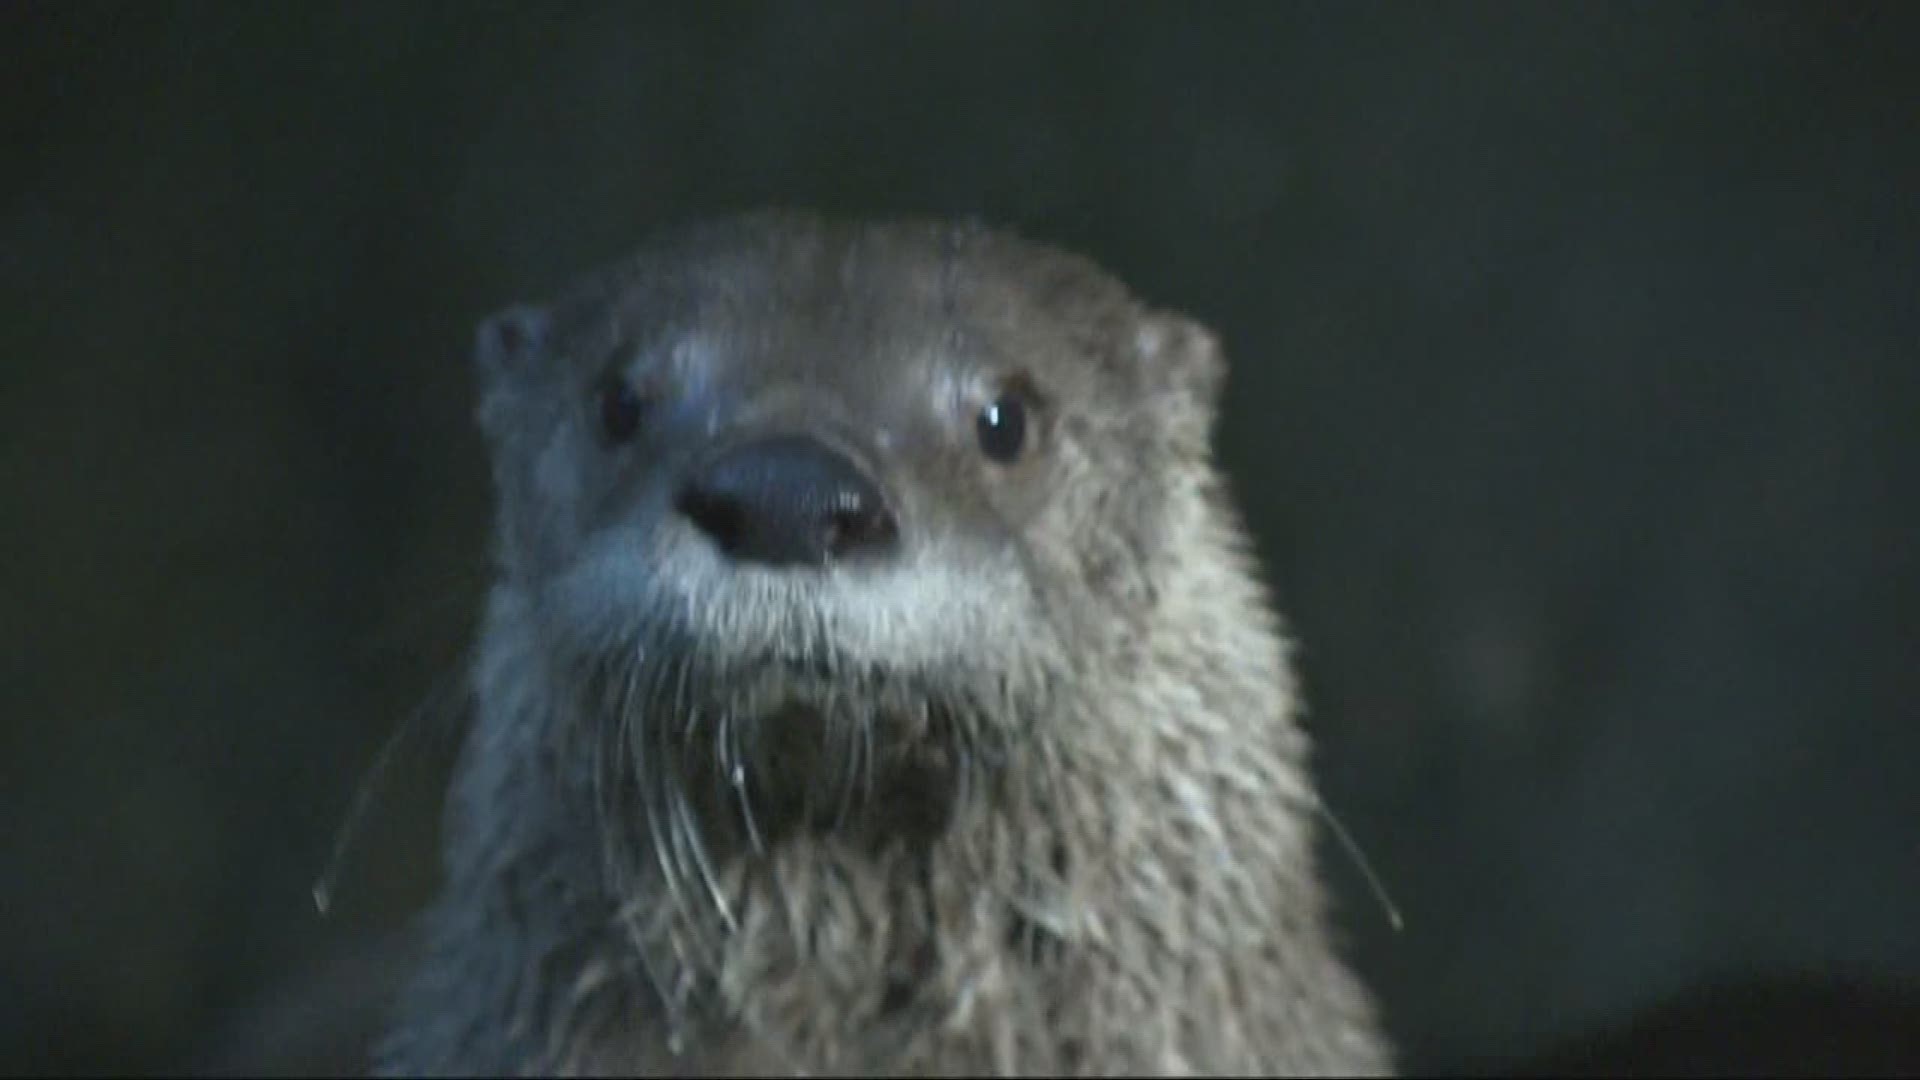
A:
1575,361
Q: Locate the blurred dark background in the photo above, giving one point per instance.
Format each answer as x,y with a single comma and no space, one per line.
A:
1575,359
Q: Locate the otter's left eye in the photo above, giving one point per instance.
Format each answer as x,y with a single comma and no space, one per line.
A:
1002,427
619,409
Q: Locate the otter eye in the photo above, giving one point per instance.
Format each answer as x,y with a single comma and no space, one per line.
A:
1002,427
619,409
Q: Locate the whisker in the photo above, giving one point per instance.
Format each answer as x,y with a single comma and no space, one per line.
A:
632,915
1366,868
631,918
697,848
866,762
637,749
661,823
606,776
844,737
448,687
689,842
737,779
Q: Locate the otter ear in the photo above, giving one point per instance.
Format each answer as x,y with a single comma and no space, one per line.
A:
507,348
509,341
1186,368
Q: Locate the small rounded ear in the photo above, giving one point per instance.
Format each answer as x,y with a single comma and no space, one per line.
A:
1183,362
507,339
507,347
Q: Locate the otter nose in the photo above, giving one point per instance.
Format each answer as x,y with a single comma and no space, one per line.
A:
788,501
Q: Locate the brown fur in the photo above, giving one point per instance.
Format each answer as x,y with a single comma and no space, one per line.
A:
1072,826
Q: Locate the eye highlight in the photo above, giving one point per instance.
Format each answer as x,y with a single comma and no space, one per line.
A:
620,407
1002,427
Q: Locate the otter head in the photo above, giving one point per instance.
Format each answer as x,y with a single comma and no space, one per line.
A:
818,521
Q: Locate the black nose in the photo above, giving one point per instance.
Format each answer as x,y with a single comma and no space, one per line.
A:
788,501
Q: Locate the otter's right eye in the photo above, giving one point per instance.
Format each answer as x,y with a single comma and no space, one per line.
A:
620,408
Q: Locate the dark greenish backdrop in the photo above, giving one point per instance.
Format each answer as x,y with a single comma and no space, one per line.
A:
1577,354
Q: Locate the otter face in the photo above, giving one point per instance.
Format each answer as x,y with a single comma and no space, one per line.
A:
813,506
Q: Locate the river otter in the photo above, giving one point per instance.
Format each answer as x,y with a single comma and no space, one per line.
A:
876,680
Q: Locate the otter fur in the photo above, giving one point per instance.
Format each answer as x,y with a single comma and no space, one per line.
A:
876,680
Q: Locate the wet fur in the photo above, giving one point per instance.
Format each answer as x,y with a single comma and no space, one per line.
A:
1044,807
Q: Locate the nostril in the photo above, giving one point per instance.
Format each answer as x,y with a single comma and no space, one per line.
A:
721,518
856,524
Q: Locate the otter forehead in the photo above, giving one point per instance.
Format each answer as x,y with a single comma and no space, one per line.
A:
854,311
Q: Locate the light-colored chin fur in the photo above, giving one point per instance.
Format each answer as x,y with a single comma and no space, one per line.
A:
1137,899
